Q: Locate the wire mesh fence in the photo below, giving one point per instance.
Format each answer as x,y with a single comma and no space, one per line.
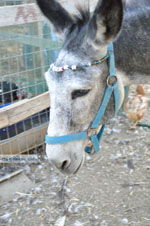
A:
27,47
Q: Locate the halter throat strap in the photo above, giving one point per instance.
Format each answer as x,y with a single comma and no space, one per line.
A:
93,134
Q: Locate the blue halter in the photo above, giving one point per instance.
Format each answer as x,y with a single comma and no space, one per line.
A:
91,133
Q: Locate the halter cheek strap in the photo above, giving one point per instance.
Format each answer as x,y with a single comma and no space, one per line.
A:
91,133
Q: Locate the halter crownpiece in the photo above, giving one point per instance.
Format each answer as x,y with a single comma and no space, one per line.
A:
93,133
76,67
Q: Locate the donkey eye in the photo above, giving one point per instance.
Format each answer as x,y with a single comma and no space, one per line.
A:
79,93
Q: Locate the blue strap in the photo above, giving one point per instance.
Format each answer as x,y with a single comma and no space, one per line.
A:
112,68
99,135
66,138
112,72
96,141
102,109
106,98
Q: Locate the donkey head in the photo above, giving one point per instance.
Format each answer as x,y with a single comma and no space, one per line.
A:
76,94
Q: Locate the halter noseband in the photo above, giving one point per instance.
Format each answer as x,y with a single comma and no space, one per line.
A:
92,132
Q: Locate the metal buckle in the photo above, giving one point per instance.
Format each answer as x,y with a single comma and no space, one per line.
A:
91,132
111,80
89,144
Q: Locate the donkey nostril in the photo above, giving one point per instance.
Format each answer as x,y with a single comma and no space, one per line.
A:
64,164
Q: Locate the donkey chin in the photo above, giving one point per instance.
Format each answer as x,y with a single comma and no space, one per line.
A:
67,158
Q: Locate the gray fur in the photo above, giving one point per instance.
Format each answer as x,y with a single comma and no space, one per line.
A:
132,48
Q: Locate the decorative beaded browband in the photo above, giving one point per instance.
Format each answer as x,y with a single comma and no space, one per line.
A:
76,67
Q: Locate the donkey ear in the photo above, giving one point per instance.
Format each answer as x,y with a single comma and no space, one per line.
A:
57,15
106,21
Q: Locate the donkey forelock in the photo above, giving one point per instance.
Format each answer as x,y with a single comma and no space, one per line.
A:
79,31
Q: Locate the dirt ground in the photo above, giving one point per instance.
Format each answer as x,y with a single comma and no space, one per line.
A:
111,189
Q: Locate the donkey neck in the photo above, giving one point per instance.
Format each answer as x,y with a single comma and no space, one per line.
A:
131,47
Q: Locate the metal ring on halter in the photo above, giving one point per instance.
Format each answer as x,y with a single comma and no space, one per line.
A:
111,80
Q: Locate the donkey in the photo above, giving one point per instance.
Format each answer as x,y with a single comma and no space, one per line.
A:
76,94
